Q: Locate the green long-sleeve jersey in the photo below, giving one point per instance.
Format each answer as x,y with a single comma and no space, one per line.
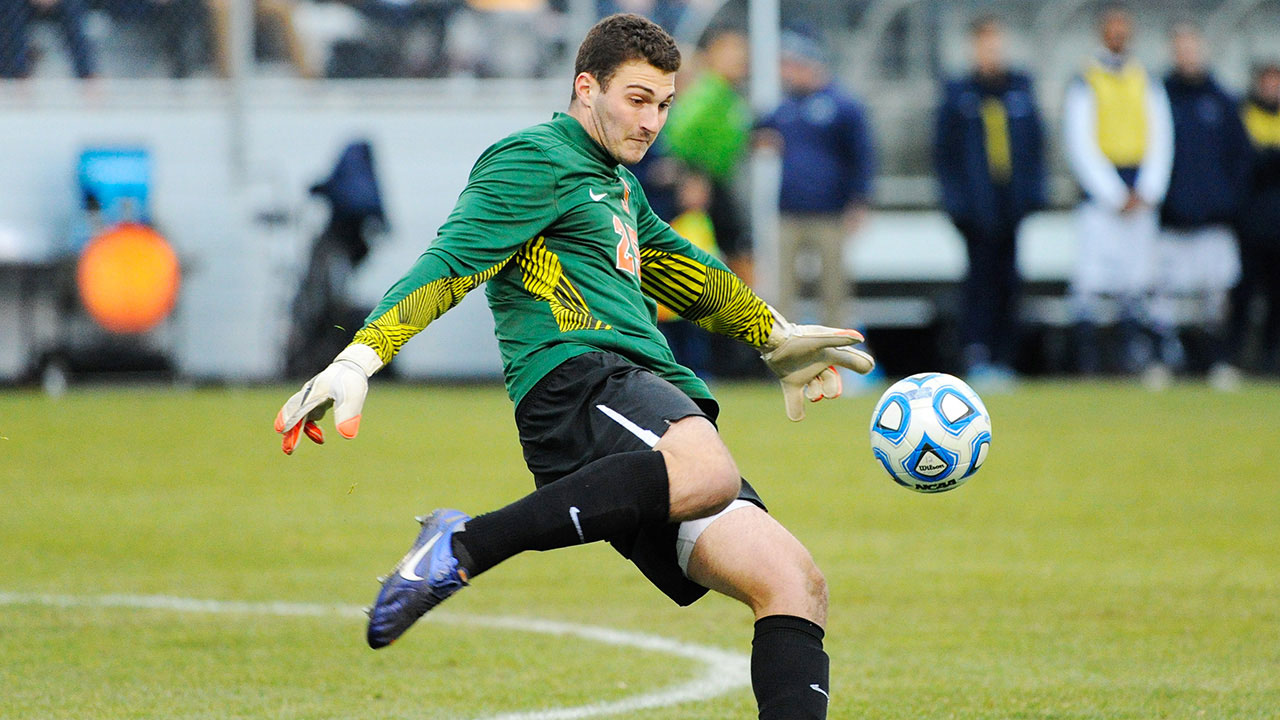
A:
574,259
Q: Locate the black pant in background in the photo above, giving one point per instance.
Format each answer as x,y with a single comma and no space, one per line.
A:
1260,279
988,328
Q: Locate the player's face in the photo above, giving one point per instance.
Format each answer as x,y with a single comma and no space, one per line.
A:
625,118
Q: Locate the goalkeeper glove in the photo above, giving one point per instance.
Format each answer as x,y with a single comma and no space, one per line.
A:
343,385
805,357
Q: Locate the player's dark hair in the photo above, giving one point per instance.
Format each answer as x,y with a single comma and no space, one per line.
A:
622,38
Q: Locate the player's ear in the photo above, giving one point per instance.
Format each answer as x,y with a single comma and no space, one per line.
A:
584,88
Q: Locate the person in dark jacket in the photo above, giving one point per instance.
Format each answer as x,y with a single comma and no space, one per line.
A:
989,153
1258,225
16,18
1196,258
827,167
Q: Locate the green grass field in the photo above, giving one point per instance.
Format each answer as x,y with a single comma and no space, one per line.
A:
1118,557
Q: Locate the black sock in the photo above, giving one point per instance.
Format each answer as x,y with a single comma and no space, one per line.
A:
789,670
609,497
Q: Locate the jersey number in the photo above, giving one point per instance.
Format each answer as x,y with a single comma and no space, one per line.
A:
628,247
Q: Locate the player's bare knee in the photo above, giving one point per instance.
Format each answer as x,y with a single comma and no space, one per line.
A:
704,477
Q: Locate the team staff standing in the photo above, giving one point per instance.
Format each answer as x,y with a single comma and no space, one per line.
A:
827,166
1196,257
989,154
1258,224
619,437
1118,137
710,132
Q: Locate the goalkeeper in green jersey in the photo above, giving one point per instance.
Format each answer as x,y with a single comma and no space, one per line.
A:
620,438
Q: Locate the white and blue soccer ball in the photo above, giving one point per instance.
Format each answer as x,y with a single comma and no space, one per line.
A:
931,432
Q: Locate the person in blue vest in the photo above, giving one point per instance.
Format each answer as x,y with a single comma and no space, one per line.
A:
828,162
1118,138
989,154
1196,258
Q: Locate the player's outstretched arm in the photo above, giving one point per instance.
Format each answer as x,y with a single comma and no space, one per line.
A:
503,205
343,386
700,289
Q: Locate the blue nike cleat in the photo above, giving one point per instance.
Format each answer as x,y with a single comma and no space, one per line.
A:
422,580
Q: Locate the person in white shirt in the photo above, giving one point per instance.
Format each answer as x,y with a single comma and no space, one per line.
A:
1119,144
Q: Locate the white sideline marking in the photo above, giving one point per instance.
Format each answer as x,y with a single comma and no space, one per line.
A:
723,671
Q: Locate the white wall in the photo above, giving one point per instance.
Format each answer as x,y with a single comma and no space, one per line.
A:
239,273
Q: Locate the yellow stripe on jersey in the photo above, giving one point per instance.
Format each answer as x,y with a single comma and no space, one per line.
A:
1121,100
390,331
714,299
544,278
1263,125
995,123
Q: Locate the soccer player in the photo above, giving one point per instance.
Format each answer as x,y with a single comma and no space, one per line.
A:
620,439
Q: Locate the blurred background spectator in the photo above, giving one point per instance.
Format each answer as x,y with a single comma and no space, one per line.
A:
1196,258
16,20
1258,294
827,168
708,130
276,17
690,344
508,38
667,13
1119,142
989,152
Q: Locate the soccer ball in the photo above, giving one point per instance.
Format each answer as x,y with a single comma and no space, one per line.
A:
931,432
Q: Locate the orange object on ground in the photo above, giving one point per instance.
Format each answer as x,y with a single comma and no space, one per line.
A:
128,277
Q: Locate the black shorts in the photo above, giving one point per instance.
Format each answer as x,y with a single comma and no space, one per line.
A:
561,430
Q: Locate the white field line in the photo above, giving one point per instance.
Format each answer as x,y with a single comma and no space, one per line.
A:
722,671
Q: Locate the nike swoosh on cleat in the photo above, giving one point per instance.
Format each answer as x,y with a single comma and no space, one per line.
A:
814,686
594,196
408,565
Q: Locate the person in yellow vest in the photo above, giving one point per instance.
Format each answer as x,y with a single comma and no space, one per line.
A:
1118,137
1258,228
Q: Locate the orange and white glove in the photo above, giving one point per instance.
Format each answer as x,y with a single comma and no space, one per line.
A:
343,385
805,358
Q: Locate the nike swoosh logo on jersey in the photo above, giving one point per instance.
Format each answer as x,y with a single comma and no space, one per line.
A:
408,566
573,515
594,196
